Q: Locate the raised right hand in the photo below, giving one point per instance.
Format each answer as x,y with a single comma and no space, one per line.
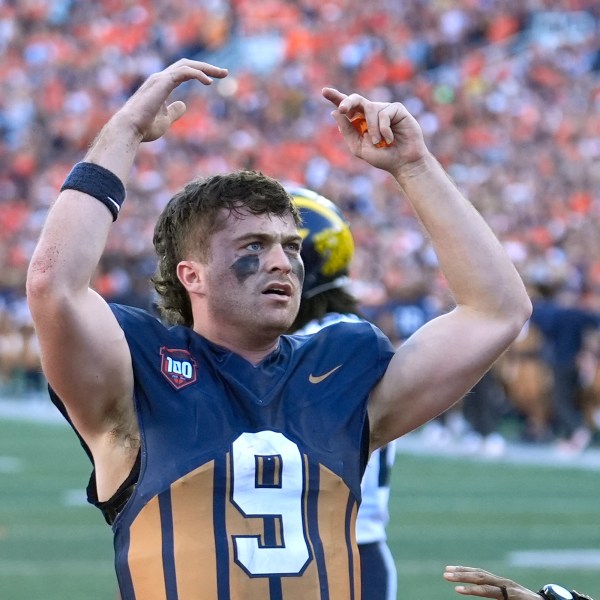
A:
148,113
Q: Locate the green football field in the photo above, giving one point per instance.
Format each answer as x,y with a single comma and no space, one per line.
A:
536,524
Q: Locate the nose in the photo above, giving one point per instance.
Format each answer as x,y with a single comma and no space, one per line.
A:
278,260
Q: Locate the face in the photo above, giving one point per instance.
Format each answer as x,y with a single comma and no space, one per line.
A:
254,274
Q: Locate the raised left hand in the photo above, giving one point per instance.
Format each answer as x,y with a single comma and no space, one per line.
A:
388,121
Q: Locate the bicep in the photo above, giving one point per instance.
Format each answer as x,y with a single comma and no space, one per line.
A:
434,369
86,359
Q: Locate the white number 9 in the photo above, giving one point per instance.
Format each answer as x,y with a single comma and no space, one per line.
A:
276,492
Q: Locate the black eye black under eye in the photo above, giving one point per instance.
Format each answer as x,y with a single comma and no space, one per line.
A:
245,266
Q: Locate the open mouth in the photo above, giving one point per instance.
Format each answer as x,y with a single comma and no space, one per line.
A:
278,289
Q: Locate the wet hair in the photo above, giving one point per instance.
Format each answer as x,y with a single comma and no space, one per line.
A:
193,215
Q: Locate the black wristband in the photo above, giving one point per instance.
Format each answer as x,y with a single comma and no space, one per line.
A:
98,182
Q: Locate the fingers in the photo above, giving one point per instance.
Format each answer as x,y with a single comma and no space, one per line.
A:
483,591
372,118
157,88
484,584
334,96
186,69
164,82
384,118
352,104
359,122
346,105
472,575
474,571
176,110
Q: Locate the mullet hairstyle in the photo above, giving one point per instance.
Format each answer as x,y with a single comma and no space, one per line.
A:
193,215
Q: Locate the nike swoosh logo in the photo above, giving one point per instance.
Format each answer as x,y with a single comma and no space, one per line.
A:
318,378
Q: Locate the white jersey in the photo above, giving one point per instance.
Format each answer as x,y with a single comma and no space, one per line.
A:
373,513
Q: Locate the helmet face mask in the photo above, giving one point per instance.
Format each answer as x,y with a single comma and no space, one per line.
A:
327,247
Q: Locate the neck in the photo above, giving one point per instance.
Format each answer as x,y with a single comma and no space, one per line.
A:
253,348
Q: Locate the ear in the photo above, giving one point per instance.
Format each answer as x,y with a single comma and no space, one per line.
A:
191,275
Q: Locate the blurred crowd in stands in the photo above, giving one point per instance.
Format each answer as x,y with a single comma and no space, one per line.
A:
507,93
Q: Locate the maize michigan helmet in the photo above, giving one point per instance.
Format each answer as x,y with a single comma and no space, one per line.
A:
327,246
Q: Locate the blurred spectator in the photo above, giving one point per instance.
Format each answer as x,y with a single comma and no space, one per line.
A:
407,303
508,94
483,409
20,365
527,381
563,326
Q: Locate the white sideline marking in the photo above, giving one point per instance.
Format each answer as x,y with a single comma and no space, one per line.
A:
556,559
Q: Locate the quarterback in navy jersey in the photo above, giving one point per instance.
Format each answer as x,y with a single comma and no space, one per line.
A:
327,251
227,455
283,492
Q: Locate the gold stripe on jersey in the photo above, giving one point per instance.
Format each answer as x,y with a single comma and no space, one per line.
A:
334,497
145,554
193,534
193,540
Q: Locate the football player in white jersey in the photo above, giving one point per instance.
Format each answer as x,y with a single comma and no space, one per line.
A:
327,249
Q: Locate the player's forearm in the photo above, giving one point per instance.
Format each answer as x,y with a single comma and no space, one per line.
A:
70,246
75,232
478,270
116,146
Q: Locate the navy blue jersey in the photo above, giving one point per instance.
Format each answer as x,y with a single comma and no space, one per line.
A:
250,475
